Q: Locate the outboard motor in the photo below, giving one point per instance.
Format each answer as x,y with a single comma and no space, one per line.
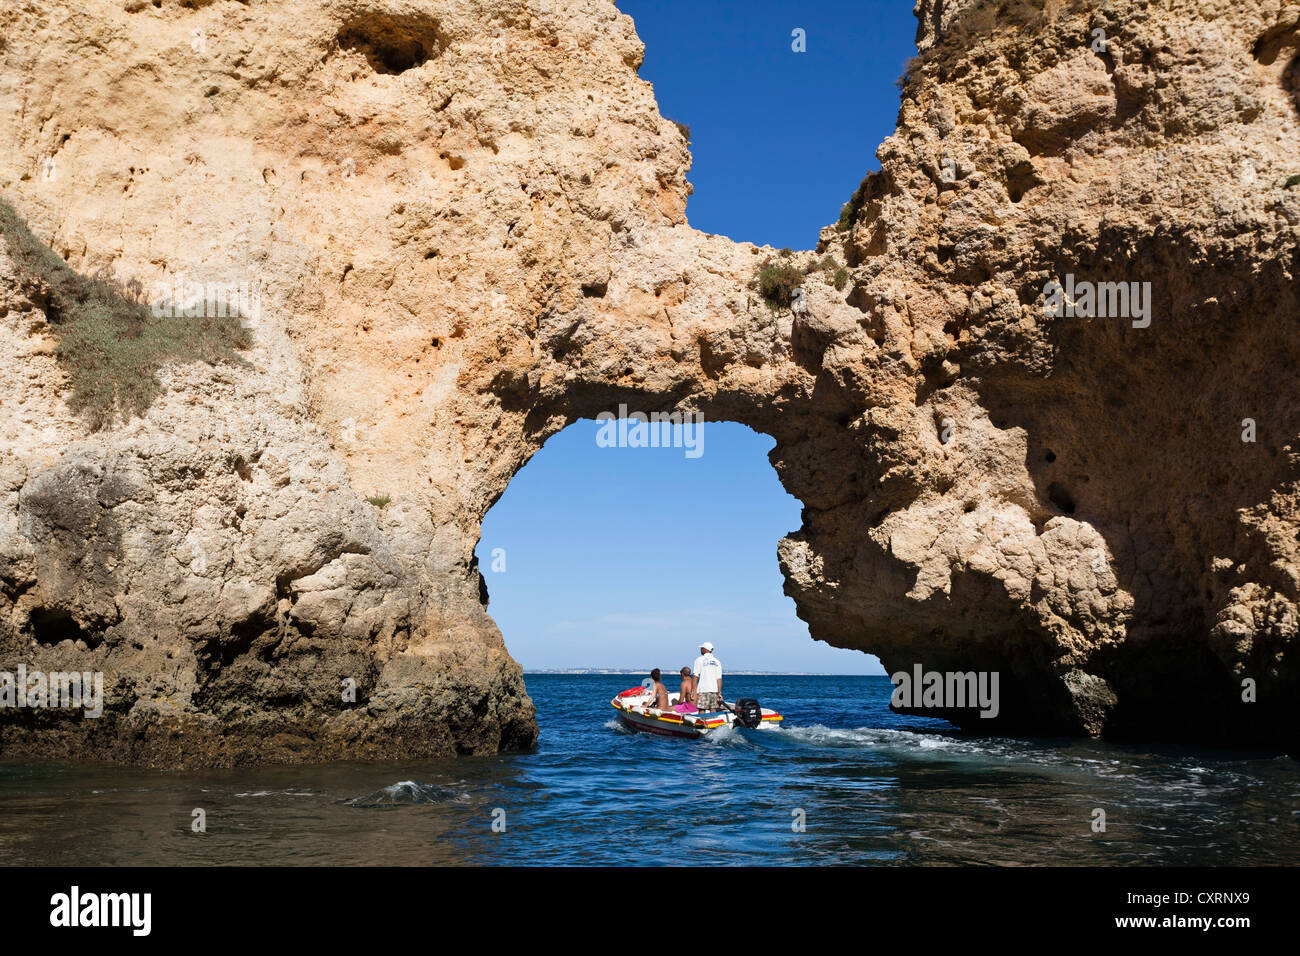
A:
748,712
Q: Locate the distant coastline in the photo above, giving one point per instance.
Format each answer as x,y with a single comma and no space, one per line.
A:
636,670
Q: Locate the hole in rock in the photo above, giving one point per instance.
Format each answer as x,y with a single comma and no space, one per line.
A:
1060,497
53,626
1291,81
1273,42
628,557
1022,178
392,43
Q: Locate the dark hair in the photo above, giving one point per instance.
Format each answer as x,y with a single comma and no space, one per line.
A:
655,673
686,672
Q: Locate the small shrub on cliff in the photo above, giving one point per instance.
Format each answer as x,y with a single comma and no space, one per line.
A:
110,343
684,130
379,501
1292,181
777,282
849,211
841,279
827,263
909,68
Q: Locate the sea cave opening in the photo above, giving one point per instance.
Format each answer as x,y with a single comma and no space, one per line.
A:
613,557
627,558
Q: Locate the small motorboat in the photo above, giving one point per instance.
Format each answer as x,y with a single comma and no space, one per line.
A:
634,710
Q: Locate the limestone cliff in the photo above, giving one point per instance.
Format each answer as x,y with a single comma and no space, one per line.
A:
463,225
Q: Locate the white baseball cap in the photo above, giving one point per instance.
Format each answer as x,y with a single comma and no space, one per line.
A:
707,646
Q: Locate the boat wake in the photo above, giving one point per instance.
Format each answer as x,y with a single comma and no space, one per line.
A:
929,744
874,737
894,741
728,737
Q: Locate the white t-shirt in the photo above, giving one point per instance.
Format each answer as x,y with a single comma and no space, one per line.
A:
708,670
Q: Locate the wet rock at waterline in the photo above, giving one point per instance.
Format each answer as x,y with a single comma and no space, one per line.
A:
397,245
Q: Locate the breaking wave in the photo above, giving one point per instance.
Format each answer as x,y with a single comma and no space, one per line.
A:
406,793
278,793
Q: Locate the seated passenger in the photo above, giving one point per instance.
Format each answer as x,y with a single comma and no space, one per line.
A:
686,699
659,691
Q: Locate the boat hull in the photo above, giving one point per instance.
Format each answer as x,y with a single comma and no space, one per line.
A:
634,714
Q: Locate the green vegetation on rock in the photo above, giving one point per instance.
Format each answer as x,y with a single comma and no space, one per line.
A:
110,342
849,211
777,282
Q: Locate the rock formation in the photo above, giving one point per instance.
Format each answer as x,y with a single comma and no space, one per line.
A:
456,226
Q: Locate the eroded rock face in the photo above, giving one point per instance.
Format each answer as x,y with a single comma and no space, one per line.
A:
465,222
1095,526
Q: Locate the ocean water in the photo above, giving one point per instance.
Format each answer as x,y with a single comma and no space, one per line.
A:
866,785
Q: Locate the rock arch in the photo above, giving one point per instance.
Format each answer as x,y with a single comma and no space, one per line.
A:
465,250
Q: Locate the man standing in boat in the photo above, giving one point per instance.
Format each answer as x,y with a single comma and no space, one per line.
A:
708,680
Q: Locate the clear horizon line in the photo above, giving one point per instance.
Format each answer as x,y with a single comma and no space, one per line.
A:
646,670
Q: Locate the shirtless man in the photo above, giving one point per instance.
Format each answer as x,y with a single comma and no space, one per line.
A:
659,690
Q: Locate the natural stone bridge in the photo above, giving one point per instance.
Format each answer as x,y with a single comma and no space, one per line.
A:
465,220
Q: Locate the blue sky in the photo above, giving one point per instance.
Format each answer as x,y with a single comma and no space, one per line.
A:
629,557
780,139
